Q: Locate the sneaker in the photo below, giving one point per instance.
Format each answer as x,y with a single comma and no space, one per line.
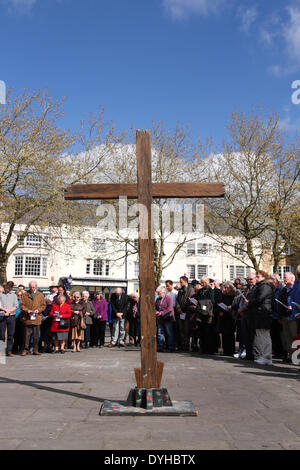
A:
237,355
263,361
243,355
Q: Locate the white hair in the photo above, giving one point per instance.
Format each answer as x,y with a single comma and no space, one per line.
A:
135,294
85,292
161,289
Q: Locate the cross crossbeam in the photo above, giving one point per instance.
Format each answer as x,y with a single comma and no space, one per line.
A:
159,190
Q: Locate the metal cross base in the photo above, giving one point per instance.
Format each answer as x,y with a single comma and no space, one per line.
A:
153,402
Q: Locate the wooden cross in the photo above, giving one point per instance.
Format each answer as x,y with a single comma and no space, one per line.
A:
144,191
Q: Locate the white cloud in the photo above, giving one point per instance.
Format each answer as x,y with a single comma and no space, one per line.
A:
183,9
247,17
19,6
289,123
281,32
291,34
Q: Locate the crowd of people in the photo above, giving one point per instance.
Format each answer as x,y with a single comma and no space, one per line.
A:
255,319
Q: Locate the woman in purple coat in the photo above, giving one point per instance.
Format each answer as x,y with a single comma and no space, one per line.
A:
101,306
165,319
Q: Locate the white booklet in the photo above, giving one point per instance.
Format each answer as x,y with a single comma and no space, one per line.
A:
285,306
223,306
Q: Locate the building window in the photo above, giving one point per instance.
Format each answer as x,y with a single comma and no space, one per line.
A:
107,268
204,249
248,271
98,267
240,272
32,240
101,268
191,270
136,244
35,266
202,270
88,266
99,244
284,269
239,249
18,265
136,270
191,249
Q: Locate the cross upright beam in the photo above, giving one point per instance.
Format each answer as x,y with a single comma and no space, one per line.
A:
146,263
145,191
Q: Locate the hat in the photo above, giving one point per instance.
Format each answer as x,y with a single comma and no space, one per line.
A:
195,282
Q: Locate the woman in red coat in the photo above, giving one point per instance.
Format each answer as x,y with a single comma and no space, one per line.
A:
60,316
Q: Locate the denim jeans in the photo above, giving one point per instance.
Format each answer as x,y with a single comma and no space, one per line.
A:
116,335
165,333
8,323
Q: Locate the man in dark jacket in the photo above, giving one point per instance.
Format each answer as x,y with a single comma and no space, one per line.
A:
182,309
260,307
247,320
119,306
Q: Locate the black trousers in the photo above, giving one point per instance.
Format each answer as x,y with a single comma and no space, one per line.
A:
209,338
100,327
184,334
87,334
177,330
228,341
18,336
248,335
9,324
276,330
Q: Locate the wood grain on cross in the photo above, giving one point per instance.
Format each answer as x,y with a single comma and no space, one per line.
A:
144,191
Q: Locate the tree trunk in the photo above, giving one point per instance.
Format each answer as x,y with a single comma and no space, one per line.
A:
3,268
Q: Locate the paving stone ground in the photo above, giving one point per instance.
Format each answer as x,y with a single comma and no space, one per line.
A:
53,402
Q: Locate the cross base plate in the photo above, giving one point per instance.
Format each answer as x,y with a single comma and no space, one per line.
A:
121,408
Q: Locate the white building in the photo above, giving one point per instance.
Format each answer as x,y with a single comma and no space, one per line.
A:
97,259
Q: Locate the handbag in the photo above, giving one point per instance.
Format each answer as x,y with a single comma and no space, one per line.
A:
64,323
74,321
82,324
167,316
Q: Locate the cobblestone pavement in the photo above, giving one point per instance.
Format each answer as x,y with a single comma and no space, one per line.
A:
53,402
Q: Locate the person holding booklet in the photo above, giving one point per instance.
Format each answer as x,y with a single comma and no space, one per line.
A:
226,322
287,316
165,318
8,307
260,307
32,305
295,298
60,316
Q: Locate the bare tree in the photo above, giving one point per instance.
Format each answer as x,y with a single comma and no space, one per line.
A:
37,161
261,173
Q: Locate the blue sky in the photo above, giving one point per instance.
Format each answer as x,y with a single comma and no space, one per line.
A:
191,61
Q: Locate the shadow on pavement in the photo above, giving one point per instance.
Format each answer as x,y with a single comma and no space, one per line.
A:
283,372
36,385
